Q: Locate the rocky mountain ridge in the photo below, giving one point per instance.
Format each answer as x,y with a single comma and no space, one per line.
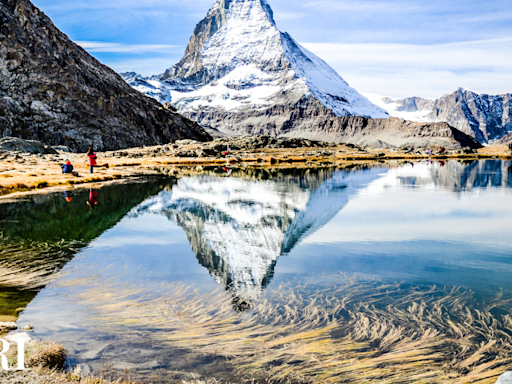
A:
53,91
237,61
241,75
487,118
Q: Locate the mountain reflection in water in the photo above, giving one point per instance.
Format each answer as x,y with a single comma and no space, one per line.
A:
137,287
239,228
41,233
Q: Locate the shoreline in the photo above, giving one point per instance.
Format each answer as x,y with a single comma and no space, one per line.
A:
21,173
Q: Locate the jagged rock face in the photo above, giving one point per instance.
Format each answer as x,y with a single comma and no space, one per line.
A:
239,228
317,123
51,90
238,62
487,118
505,140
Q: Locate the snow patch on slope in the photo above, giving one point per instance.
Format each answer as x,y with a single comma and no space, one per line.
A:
393,107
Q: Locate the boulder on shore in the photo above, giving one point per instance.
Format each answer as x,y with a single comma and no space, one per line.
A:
8,144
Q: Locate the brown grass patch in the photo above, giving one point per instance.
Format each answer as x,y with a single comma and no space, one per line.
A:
41,375
43,354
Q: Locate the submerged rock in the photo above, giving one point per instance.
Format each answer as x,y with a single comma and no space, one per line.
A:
18,337
8,326
506,378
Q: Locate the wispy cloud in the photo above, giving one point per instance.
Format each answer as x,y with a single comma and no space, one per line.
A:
120,4
404,70
394,47
349,5
96,46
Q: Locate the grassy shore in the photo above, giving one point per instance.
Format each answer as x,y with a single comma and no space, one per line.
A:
25,172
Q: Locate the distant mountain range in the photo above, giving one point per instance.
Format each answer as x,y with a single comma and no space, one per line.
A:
239,75
484,117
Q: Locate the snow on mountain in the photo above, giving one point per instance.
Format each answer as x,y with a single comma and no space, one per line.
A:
239,228
486,118
151,88
237,61
404,108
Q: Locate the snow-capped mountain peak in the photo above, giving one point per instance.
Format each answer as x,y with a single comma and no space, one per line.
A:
238,63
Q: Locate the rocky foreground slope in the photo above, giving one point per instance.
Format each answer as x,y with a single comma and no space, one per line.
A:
53,91
487,118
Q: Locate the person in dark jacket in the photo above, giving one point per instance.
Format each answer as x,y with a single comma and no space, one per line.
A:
68,168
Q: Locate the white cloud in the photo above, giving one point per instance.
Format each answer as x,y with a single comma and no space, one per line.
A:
145,67
372,6
122,4
404,70
96,46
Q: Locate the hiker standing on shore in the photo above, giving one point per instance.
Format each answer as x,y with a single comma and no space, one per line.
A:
91,155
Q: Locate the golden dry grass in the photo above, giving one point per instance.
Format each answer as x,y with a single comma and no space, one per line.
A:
43,354
40,375
351,332
22,174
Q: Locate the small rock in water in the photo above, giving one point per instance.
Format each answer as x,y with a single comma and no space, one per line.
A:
27,328
8,326
506,378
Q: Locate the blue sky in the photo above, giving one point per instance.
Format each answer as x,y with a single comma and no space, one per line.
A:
392,47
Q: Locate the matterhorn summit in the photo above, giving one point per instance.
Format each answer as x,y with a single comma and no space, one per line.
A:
241,74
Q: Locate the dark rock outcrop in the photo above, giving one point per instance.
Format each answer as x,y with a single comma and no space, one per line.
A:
8,144
53,91
309,120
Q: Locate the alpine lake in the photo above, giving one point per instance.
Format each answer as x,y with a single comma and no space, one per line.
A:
388,273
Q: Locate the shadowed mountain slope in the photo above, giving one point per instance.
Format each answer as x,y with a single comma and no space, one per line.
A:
53,91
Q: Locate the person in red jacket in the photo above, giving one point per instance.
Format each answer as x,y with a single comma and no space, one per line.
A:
91,155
